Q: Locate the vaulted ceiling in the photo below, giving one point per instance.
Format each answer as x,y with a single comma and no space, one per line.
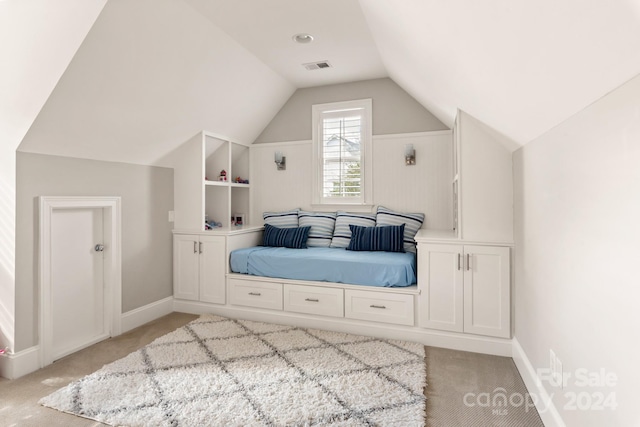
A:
151,73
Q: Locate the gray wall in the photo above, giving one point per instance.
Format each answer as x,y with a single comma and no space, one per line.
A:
147,196
394,110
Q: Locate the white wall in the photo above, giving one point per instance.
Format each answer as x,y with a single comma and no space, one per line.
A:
577,206
149,75
39,38
425,187
147,196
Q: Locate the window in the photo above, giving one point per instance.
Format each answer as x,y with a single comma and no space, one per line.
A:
342,152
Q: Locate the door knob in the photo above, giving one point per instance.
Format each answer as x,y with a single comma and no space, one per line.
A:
99,247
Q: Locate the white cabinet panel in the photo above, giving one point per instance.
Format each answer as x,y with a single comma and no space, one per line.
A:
441,278
465,288
379,307
212,269
487,291
185,267
251,293
314,300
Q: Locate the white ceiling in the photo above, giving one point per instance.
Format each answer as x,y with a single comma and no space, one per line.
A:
265,28
150,74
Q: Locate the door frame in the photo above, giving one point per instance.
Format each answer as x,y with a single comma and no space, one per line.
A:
112,263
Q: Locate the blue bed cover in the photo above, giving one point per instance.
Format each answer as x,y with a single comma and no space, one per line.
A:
385,269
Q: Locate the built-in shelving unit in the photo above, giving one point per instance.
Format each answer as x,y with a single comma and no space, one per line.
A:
201,193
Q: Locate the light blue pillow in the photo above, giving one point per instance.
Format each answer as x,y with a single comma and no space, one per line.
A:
387,238
322,225
286,219
342,232
412,222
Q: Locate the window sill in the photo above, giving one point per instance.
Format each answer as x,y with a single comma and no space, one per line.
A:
350,207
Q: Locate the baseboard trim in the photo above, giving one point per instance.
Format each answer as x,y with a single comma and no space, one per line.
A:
145,314
476,344
18,364
544,402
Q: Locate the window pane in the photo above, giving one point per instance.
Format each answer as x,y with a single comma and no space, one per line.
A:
341,154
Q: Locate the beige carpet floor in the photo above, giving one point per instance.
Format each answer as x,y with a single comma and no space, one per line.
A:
457,384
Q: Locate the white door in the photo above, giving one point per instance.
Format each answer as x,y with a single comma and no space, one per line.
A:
487,291
212,269
185,267
440,276
78,312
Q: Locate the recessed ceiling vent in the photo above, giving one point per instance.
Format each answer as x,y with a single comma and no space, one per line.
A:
317,65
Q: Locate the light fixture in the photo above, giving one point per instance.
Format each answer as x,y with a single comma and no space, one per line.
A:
281,161
303,38
409,155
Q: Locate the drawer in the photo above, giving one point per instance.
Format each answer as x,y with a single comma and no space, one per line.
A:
314,300
252,293
379,307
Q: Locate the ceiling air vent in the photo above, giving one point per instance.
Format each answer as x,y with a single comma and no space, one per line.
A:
317,65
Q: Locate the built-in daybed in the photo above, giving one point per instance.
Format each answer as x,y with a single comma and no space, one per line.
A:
340,264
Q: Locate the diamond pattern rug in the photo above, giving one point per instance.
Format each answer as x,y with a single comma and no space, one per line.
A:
217,371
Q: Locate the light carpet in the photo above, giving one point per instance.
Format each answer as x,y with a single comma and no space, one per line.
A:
216,371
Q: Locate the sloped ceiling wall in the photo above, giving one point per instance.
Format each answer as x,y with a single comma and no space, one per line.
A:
149,75
522,67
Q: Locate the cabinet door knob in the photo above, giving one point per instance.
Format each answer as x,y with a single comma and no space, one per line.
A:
255,294
459,258
468,262
377,306
312,300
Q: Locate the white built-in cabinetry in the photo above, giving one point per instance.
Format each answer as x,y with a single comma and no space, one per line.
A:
198,191
464,275
464,288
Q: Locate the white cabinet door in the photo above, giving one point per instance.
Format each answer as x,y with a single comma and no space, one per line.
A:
440,278
185,267
212,269
487,291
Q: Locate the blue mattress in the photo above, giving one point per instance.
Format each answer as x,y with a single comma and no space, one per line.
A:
385,269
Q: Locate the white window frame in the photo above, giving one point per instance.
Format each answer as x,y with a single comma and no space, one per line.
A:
366,147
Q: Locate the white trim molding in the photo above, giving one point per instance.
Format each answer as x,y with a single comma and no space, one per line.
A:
16,365
543,401
145,314
473,343
112,262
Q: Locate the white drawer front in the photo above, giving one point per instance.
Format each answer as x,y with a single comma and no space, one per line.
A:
255,294
314,300
379,307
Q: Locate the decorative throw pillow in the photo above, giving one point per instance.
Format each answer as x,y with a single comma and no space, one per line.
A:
387,238
295,238
287,219
412,222
342,232
322,225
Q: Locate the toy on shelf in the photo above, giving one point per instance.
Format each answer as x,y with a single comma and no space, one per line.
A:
222,176
239,180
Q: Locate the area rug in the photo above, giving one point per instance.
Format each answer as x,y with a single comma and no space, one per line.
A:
217,371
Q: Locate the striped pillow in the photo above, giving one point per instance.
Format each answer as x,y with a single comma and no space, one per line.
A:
387,238
342,232
322,225
295,238
287,219
412,222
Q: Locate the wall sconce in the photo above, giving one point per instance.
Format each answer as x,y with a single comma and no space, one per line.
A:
281,161
409,155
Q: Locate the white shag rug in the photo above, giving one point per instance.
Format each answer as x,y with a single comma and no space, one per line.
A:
216,371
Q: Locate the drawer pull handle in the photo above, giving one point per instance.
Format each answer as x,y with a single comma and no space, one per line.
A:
377,306
312,300
256,294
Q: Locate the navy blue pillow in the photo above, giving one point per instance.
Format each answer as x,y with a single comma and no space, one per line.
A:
295,238
388,238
